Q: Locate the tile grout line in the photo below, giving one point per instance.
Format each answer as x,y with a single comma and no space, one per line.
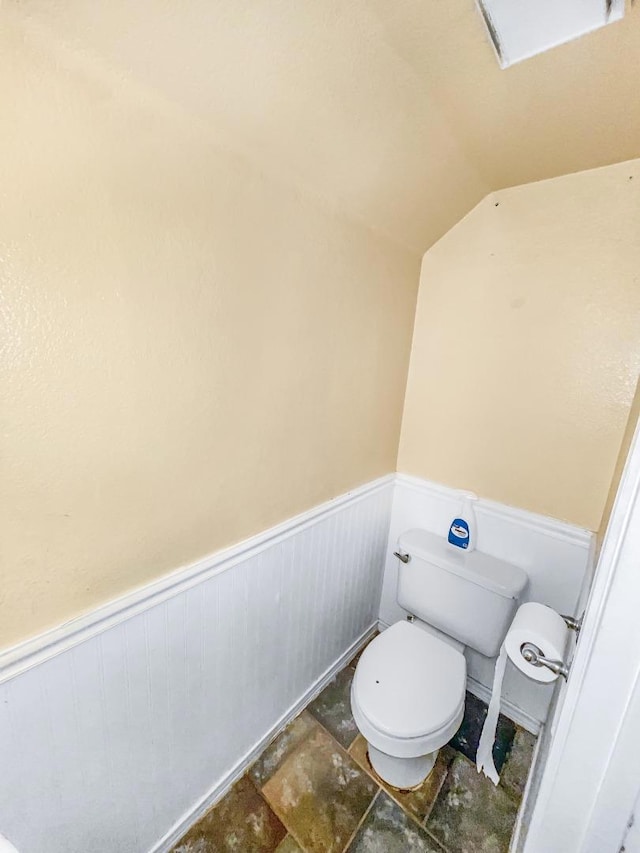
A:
346,749
423,824
414,819
391,794
425,820
362,820
269,805
436,841
297,748
289,831
326,730
381,787
370,772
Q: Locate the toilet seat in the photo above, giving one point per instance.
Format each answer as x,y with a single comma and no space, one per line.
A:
408,691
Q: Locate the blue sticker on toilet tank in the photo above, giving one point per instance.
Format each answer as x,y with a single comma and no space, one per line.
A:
459,533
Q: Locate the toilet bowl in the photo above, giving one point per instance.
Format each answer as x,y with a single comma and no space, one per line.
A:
407,699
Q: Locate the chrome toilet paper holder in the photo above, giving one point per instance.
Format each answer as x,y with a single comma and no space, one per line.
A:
533,655
575,624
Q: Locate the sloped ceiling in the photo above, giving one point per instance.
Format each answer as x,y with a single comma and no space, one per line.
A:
394,112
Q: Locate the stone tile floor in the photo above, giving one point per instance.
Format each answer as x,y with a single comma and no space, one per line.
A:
313,791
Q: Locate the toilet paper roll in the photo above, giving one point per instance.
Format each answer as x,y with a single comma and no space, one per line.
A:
533,623
538,624
484,755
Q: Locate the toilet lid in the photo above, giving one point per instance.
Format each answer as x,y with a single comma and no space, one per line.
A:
409,682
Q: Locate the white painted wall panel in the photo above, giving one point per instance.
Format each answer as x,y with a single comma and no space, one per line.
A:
117,730
113,739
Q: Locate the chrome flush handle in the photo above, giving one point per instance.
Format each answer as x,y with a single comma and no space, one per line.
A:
404,557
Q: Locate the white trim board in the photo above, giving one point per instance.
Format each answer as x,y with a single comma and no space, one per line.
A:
528,797
24,656
42,647
220,788
513,712
588,789
484,507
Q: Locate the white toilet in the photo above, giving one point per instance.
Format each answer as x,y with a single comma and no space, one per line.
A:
408,691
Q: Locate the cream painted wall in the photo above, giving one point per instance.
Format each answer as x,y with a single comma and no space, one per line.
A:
198,305
401,114
627,438
526,347
192,352
572,108
315,93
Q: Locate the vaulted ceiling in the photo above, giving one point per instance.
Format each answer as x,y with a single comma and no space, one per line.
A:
395,112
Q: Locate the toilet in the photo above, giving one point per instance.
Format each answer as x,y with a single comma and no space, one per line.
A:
408,691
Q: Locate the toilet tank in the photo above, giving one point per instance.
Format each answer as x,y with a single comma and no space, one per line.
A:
468,595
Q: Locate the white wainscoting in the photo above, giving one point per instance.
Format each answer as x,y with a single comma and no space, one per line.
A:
558,558
120,728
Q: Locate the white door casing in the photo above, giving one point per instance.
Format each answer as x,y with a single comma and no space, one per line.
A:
591,779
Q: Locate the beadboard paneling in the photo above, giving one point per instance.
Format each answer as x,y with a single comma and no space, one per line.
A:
113,737
119,729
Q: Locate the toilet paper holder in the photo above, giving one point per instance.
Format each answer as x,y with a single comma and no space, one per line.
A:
532,654
575,624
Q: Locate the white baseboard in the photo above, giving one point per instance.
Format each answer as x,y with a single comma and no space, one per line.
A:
513,712
220,788
520,830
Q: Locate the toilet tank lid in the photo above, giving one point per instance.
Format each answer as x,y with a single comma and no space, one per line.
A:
493,574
